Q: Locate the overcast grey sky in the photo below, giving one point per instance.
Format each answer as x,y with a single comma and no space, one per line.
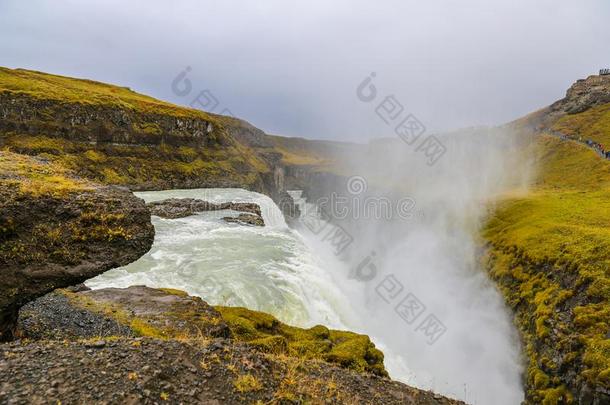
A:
292,67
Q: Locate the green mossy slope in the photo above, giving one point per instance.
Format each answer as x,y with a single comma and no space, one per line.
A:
113,135
45,86
348,349
550,254
592,124
172,314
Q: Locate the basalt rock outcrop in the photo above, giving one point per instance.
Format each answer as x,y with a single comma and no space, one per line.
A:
133,311
102,124
57,230
584,94
246,219
173,208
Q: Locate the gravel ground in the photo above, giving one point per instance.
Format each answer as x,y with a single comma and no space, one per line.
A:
150,371
52,317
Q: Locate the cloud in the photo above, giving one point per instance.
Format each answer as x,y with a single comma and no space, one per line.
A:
292,67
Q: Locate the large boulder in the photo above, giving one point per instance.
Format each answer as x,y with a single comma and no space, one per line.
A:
57,230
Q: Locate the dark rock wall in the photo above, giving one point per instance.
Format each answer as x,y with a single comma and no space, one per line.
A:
97,124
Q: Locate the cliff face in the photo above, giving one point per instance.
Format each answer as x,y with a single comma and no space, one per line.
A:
57,230
115,136
97,124
548,251
587,96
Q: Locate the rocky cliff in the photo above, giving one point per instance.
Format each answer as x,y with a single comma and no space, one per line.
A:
57,230
113,135
584,94
590,96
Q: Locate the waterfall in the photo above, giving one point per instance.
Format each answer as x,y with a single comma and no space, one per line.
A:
268,268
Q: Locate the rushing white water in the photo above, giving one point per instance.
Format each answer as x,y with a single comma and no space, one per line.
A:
476,359
263,268
419,274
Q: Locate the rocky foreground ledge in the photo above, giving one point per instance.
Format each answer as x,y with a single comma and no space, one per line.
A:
143,345
57,230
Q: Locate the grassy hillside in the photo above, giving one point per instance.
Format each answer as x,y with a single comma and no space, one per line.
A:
550,254
113,135
28,176
47,86
592,124
144,166
299,151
